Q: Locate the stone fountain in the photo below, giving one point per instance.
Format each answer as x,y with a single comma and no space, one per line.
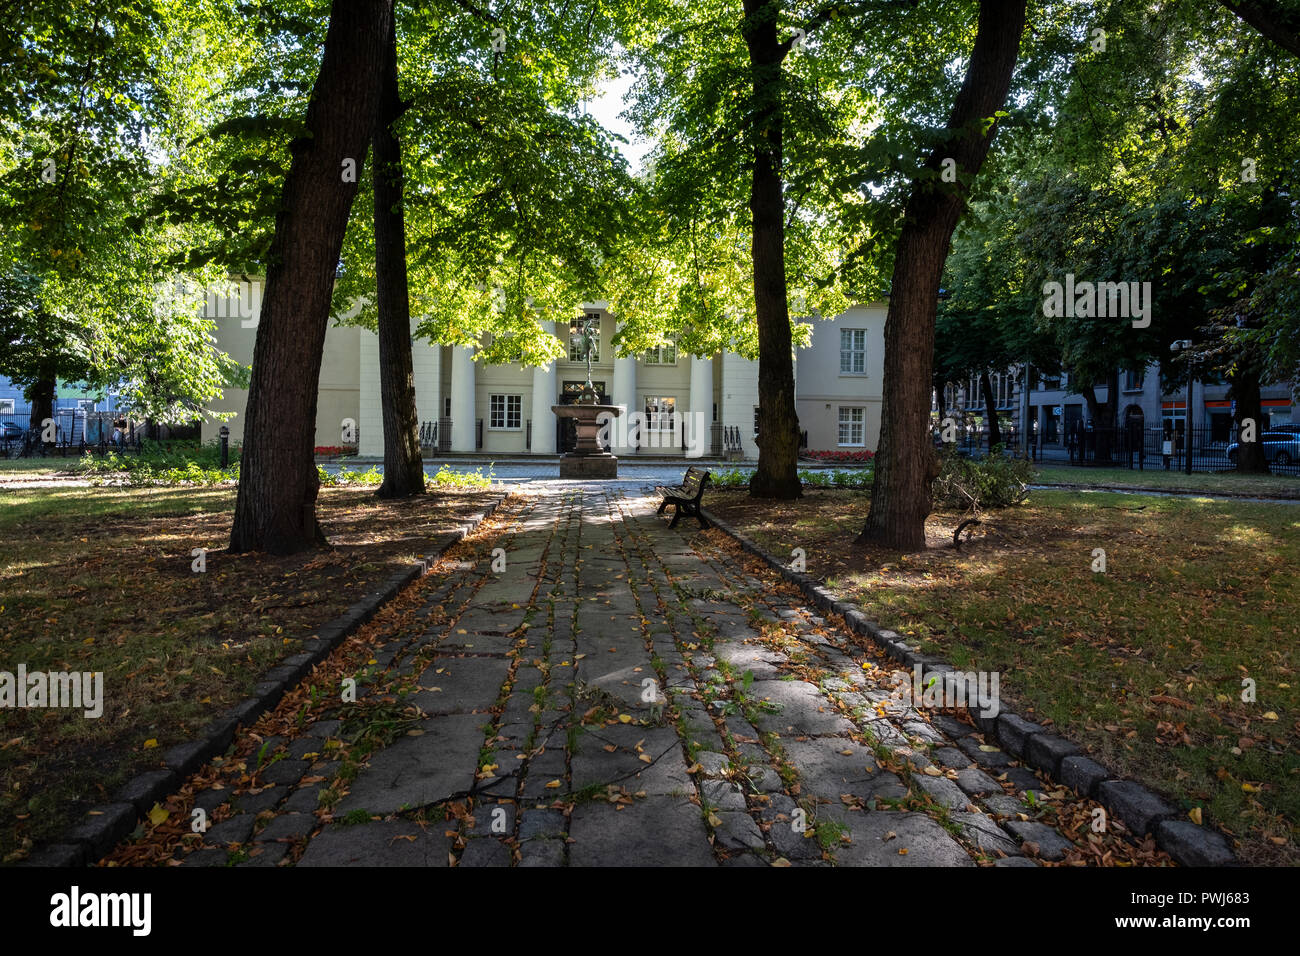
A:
588,459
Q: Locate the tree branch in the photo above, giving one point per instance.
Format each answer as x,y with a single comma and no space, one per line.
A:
837,10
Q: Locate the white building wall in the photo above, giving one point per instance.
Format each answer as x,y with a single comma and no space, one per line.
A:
740,398
350,387
426,363
823,389
337,394
372,421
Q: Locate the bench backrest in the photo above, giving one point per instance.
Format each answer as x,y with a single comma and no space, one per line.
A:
693,484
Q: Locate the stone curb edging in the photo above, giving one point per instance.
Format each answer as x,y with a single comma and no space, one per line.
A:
108,824
1142,811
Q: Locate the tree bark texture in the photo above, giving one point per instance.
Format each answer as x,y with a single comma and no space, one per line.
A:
275,510
403,465
777,474
906,463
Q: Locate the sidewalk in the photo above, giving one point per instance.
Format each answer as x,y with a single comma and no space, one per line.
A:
622,694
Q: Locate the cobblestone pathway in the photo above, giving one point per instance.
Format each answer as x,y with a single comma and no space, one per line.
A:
613,696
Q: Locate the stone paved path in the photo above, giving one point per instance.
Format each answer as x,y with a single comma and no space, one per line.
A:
623,694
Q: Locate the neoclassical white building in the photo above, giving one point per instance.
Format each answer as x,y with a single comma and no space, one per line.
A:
469,407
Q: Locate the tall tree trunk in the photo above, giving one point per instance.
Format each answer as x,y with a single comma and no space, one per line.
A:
905,461
777,475
1245,392
990,410
1274,20
403,465
1103,416
41,395
275,509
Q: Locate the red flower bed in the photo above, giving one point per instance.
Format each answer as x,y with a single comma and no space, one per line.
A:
335,450
844,457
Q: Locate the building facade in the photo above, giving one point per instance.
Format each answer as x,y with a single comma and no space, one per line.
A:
465,406
1054,406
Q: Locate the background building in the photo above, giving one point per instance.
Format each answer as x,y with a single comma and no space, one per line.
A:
466,407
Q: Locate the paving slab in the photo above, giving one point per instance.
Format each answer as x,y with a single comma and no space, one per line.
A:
378,844
656,831
416,771
800,709
889,838
466,685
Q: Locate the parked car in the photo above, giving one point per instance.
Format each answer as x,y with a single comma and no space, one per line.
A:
11,430
1280,448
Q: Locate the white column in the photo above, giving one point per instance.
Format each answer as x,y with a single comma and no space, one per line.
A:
371,426
624,394
739,396
462,399
545,394
426,363
699,413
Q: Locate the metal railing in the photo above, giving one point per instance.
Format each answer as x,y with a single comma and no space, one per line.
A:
71,432
1210,448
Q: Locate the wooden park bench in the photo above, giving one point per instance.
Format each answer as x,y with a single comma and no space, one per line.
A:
686,497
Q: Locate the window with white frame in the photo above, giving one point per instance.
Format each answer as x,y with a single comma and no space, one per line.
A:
665,354
506,411
853,351
659,412
853,424
577,347
755,421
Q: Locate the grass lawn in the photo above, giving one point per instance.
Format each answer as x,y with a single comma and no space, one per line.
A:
26,468
1227,483
1143,664
101,579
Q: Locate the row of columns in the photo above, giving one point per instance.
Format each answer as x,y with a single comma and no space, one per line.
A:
545,392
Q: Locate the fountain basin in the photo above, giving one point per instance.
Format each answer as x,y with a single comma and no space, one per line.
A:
588,459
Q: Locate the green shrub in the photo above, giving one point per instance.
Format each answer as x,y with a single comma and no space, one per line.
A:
810,477
158,464
731,478
443,478
346,476
997,481
446,478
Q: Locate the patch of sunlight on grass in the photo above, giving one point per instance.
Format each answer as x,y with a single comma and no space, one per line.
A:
1246,535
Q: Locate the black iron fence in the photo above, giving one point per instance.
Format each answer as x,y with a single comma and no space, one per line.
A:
72,432
1200,449
974,442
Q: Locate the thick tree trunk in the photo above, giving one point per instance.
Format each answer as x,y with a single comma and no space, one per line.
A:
275,509
1245,391
990,410
1103,416
41,396
905,461
1272,19
403,466
777,475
